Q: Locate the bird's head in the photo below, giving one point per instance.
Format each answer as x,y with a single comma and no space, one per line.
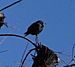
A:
40,22
2,15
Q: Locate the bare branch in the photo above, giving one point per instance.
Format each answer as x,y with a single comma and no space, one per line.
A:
10,5
19,37
3,51
71,65
21,65
72,54
24,53
73,51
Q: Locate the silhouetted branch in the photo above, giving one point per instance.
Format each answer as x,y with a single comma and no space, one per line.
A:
24,53
3,51
10,5
73,57
73,51
21,65
19,37
71,65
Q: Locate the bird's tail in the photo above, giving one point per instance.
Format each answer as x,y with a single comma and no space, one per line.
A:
26,33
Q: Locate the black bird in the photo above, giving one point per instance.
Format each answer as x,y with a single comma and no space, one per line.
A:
2,17
35,28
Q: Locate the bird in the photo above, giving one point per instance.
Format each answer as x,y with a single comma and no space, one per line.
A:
2,17
35,28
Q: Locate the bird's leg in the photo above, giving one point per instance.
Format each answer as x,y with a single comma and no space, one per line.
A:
36,40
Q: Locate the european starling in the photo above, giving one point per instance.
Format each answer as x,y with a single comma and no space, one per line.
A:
2,17
35,28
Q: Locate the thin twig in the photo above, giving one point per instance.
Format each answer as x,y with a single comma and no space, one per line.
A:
3,51
21,65
72,54
73,51
24,53
10,5
70,65
2,40
16,35
62,53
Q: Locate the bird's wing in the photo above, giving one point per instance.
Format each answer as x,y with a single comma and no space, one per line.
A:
33,27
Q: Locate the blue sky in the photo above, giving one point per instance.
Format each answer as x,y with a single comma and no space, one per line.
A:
58,33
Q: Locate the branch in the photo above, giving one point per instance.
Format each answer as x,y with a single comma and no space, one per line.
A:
10,5
22,63
70,65
19,37
3,51
24,53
